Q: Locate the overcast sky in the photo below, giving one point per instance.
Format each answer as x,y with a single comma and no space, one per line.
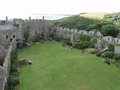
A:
25,8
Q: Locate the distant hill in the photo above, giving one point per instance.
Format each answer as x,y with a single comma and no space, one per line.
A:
81,22
94,15
76,21
105,25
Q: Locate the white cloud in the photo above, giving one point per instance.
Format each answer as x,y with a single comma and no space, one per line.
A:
24,8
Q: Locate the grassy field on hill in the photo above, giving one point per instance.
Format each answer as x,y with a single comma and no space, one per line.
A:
58,68
94,15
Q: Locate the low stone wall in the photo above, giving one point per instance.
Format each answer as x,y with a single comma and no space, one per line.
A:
3,74
7,61
117,49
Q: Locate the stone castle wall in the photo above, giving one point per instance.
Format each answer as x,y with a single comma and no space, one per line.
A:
4,71
9,38
74,35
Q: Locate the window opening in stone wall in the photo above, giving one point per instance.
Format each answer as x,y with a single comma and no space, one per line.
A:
6,36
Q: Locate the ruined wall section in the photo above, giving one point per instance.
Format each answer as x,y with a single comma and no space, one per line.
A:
38,27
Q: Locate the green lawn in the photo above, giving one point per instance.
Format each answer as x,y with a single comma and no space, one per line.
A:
59,68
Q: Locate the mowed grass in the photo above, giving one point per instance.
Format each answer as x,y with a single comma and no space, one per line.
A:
58,68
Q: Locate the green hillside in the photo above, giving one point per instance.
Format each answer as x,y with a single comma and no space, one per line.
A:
76,21
94,15
106,26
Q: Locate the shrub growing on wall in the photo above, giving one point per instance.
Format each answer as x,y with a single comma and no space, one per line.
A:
14,55
57,38
67,41
94,40
84,38
13,79
98,54
111,47
108,54
82,45
38,38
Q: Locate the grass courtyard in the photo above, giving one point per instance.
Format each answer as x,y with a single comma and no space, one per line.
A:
58,68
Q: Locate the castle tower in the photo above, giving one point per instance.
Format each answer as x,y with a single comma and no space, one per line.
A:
29,18
6,18
43,18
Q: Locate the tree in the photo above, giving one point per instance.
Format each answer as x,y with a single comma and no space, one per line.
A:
26,33
110,30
